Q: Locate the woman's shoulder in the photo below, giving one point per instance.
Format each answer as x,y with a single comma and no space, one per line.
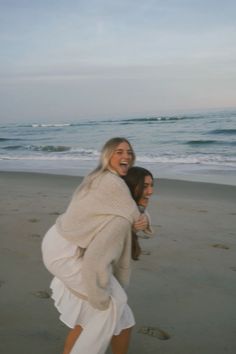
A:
110,181
108,178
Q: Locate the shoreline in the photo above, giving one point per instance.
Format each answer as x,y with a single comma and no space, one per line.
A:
168,185
208,176
186,172
183,284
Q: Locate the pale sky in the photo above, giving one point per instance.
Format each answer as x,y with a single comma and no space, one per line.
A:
64,60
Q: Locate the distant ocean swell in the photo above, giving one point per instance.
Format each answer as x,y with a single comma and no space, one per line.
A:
208,142
114,121
224,131
61,148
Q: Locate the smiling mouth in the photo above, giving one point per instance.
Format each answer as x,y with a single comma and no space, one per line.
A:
124,163
124,166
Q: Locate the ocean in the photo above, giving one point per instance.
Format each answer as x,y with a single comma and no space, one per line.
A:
197,147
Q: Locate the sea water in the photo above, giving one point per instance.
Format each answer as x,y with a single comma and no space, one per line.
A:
198,147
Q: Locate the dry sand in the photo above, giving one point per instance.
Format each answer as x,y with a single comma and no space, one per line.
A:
184,283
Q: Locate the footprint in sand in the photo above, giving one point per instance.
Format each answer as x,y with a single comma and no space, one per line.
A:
2,282
34,220
154,332
220,245
146,253
35,235
42,294
55,213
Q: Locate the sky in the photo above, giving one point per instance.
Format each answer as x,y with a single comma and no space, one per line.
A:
68,60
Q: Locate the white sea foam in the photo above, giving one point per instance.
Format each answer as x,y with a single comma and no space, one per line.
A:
204,160
84,155
44,125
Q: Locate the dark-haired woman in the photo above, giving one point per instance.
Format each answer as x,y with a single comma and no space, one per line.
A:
140,182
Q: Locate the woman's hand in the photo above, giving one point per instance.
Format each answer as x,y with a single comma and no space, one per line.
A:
140,224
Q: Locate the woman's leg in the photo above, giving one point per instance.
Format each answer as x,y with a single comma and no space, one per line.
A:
71,339
120,343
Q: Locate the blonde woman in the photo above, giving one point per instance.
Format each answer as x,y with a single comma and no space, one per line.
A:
89,251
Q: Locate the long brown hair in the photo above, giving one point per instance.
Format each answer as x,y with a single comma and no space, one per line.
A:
135,179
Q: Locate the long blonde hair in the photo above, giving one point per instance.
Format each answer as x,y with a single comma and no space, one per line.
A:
105,157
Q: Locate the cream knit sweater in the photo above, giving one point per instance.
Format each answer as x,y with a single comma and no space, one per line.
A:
100,221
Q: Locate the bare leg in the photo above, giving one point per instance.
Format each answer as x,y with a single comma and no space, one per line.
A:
71,339
120,343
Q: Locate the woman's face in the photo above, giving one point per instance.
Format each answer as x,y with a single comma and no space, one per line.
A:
147,191
121,159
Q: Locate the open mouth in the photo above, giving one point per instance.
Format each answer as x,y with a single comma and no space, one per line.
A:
124,166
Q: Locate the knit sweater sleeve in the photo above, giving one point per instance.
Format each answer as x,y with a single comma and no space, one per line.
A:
106,249
149,230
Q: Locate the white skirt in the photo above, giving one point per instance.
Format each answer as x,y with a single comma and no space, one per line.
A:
61,259
76,311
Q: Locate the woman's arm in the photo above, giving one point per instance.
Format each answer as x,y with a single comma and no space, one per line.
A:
106,248
143,224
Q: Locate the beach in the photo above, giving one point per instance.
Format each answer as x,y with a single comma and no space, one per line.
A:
183,288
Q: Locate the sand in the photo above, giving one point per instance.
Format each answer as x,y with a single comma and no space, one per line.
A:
184,283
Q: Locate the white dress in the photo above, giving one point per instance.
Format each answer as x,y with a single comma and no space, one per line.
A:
62,259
